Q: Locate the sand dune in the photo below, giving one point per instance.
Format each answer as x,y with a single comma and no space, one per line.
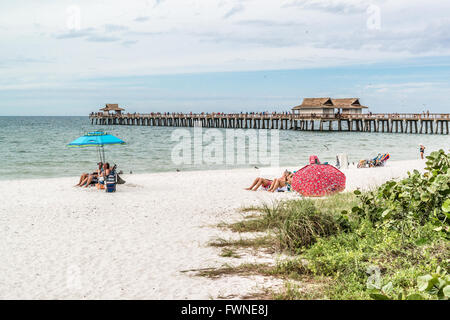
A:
61,242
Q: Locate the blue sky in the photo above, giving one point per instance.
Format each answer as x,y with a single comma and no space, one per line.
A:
72,57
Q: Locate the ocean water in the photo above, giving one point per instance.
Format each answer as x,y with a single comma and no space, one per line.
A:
35,147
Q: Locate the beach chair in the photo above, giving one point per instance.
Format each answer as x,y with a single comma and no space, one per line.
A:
382,160
363,164
111,180
373,162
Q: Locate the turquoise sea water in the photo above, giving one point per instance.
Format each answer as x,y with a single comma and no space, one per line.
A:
34,147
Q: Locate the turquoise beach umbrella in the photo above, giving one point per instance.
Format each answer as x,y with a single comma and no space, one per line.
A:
97,139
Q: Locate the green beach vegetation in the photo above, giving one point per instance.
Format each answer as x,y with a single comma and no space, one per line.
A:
389,243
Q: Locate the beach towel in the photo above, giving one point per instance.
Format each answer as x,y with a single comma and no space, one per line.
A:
268,186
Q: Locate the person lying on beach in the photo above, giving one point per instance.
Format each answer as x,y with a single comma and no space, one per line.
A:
266,183
84,176
284,181
260,182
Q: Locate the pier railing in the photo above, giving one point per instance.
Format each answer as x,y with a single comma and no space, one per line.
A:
431,116
370,122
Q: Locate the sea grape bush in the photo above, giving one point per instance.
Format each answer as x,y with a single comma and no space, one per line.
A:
418,199
432,286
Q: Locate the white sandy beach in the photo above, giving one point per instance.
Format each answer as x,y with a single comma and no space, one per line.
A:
62,242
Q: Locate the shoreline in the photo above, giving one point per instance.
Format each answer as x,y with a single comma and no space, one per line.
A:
235,169
62,242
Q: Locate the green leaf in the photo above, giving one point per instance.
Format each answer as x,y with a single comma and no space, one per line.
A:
446,291
415,296
438,270
391,184
441,283
379,296
387,288
424,282
446,206
385,213
357,192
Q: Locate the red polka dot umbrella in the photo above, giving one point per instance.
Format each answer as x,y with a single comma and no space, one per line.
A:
317,180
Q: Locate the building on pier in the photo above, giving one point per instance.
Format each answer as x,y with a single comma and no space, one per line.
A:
348,106
112,107
319,106
329,106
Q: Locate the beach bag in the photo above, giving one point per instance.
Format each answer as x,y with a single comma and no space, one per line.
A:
120,180
110,187
110,182
314,160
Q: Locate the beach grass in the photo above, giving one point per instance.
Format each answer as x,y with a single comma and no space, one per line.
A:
245,269
266,241
349,246
330,255
296,223
229,253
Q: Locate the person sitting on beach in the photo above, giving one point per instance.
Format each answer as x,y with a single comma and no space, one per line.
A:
97,177
84,176
281,183
106,171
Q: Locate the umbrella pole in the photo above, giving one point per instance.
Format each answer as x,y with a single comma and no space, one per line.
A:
103,154
99,154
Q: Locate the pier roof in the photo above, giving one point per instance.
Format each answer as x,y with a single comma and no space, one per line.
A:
112,107
348,103
328,103
318,103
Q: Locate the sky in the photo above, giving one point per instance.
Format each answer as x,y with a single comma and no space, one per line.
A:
71,57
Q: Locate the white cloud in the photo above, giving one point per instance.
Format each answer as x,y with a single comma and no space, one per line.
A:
150,36
234,10
332,6
408,96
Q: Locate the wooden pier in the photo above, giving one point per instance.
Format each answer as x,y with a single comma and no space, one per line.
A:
433,123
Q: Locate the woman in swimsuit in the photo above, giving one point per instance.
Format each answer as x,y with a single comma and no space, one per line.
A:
106,171
260,182
99,175
267,184
84,176
422,150
284,181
